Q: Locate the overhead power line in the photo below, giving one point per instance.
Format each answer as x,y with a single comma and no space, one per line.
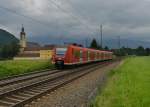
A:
28,17
41,22
101,32
70,14
119,44
77,10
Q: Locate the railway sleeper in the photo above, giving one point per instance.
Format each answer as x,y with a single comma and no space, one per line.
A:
26,95
29,92
43,87
40,88
19,97
14,99
35,90
6,103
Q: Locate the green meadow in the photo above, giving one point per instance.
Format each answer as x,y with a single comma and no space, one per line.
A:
127,86
15,67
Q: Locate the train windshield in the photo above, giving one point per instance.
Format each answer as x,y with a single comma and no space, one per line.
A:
61,51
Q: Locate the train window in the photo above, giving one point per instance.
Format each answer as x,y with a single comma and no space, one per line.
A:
76,53
61,51
90,54
97,55
102,55
93,55
86,54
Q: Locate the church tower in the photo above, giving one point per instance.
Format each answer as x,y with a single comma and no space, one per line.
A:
23,42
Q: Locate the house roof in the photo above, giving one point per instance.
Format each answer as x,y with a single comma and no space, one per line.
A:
38,48
28,55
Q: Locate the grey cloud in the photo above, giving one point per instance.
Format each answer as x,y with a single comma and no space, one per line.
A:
127,18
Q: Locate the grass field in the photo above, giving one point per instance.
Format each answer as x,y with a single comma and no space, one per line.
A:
10,68
128,85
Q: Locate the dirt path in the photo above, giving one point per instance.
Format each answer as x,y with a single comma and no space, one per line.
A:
76,94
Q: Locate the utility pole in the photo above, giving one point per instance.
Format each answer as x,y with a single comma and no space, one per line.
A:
119,44
101,34
86,42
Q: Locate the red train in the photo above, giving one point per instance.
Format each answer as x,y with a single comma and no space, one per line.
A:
73,55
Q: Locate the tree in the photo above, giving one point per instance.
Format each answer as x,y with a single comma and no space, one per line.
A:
106,48
15,48
94,44
9,50
140,51
0,52
147,51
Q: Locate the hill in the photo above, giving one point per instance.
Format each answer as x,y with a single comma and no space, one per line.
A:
6,37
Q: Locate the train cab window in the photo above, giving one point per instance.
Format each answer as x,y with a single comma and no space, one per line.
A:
61,51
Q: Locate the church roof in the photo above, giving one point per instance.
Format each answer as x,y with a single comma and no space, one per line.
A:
28,55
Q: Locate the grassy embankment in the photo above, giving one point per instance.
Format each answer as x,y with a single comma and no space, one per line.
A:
128,85
10,68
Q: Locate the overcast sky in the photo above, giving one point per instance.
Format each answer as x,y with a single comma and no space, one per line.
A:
74,20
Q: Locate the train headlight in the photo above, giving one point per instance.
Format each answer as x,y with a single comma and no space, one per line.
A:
59,58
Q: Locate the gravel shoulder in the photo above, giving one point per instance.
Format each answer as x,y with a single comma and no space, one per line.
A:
75,94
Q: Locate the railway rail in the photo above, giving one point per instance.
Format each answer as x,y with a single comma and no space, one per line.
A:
14,80
19,96
30,76
25,74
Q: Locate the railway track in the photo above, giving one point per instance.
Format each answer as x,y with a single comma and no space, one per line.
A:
21,78
19,96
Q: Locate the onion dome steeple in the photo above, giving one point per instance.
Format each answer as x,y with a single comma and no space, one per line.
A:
22,38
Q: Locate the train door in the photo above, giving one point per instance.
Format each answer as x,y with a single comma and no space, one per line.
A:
81,55
85,55
95,56
88,55
102,56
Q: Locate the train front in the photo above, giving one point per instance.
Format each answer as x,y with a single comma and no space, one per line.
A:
59,57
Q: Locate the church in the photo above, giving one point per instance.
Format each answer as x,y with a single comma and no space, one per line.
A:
31,50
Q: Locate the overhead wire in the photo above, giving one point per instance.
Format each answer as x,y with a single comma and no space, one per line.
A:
41,22
69,13
19,14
